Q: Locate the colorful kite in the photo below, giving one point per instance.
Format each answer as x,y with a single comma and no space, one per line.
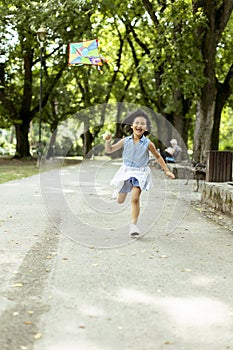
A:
85,52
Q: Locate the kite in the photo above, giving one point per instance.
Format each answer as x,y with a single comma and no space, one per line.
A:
85,52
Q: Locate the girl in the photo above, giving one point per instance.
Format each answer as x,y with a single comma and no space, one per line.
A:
134,175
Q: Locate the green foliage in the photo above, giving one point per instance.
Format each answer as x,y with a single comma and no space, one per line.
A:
226,141
224,52
154,57
6,146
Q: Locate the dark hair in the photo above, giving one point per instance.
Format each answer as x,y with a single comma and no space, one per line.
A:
128,121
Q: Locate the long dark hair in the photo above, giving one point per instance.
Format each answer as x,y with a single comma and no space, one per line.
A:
128,121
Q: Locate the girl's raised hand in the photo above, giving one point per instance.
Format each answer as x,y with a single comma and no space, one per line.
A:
107,137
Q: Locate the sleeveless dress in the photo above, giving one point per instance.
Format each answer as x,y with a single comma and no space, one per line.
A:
135,170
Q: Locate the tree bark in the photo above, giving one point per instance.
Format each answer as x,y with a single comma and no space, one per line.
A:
22,142
22,125
87,139
224,91
52,141
26,114
217,19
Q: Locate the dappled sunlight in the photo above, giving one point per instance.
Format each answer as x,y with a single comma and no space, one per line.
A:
134,296
73,344
208,318
68,190
204,281
196,311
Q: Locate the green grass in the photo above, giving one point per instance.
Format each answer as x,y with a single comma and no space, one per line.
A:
14,169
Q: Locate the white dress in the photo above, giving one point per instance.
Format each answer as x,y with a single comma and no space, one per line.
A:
143,175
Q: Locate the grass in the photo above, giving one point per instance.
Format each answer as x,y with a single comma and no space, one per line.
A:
15,169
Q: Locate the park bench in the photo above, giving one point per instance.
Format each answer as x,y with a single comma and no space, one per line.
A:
218,168
185,170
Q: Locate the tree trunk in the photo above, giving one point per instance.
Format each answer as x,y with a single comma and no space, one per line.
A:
206,105
220,101
164,130
52,141
22,124
203,129
217,18
22,143
224,91
87,144
180,121
87,139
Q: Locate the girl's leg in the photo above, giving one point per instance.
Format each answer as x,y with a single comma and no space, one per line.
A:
121,197
135,204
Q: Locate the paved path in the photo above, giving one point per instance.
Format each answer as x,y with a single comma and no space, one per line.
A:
71,278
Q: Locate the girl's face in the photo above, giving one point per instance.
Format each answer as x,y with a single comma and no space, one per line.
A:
139,126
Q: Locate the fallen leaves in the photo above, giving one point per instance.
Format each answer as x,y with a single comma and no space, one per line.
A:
37,336
168,342
17,285
49,257
82,326
30,312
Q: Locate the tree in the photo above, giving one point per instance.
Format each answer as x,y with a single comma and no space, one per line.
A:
19,98
224,74
167,63
160,51
213,94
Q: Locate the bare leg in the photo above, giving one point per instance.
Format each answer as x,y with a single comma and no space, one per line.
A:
121,197
135,204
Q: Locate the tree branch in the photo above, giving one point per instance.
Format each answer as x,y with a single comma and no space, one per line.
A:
148,6
136,62
49,89
222,17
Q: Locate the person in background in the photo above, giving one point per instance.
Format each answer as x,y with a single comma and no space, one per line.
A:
172,153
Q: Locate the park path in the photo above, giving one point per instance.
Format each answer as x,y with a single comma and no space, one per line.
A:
71,278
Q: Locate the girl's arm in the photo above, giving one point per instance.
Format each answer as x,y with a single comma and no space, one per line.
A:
160,160
112,148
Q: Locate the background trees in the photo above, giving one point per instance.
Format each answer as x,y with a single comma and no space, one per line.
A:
214,93
171,56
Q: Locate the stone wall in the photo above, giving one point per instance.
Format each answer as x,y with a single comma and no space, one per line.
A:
218,196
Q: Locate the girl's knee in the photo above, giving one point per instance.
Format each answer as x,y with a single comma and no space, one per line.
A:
120,200
135,199
121,197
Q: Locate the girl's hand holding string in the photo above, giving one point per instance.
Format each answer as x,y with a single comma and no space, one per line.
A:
107,137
